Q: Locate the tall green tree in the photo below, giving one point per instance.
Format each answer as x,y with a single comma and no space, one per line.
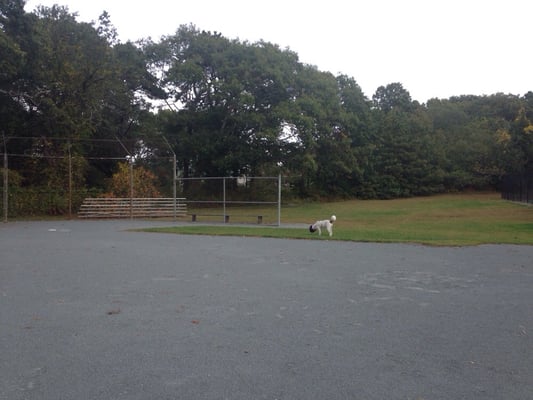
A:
67,80
472,131
227,97
392,97
16,32
404,161
517,146
322,115
356,116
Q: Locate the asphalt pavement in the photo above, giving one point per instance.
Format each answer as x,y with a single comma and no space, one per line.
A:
90,310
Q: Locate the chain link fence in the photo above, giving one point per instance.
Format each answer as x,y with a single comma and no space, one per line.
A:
518,188
52,176
244,199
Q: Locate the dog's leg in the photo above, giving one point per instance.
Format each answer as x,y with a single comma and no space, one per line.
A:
329,227
319,230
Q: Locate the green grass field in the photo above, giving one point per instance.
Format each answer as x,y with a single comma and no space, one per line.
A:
445,220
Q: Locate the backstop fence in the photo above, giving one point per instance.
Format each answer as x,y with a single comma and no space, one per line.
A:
44,176
34,182
244,199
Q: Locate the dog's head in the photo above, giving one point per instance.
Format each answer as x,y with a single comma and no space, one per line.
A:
311,229
333,219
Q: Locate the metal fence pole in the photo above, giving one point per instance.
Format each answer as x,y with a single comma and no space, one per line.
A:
279,200
224,199
174,174
131,188
6,182
174,166
69,182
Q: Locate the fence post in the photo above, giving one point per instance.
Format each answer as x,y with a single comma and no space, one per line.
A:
224,200
6,182
69,182
279,200
131,188
174,173
174,166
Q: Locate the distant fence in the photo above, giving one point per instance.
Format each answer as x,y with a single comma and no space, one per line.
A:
518,188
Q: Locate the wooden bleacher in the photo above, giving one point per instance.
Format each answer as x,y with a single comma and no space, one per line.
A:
104,207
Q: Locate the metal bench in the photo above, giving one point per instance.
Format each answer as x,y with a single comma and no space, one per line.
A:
194,217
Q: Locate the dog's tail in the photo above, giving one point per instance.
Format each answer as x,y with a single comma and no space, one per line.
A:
333,219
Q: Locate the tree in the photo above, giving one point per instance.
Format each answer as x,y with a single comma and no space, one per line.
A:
392,96
472,136
404,160
357,121
16,30
229,96
517,146
235,108
68,80
144,182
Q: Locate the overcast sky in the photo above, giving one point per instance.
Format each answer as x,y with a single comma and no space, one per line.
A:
434,48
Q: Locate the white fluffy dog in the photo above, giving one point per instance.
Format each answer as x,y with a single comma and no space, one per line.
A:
323,224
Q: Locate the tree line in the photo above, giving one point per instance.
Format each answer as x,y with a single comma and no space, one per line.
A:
227,107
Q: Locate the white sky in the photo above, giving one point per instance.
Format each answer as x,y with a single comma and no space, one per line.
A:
434,48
